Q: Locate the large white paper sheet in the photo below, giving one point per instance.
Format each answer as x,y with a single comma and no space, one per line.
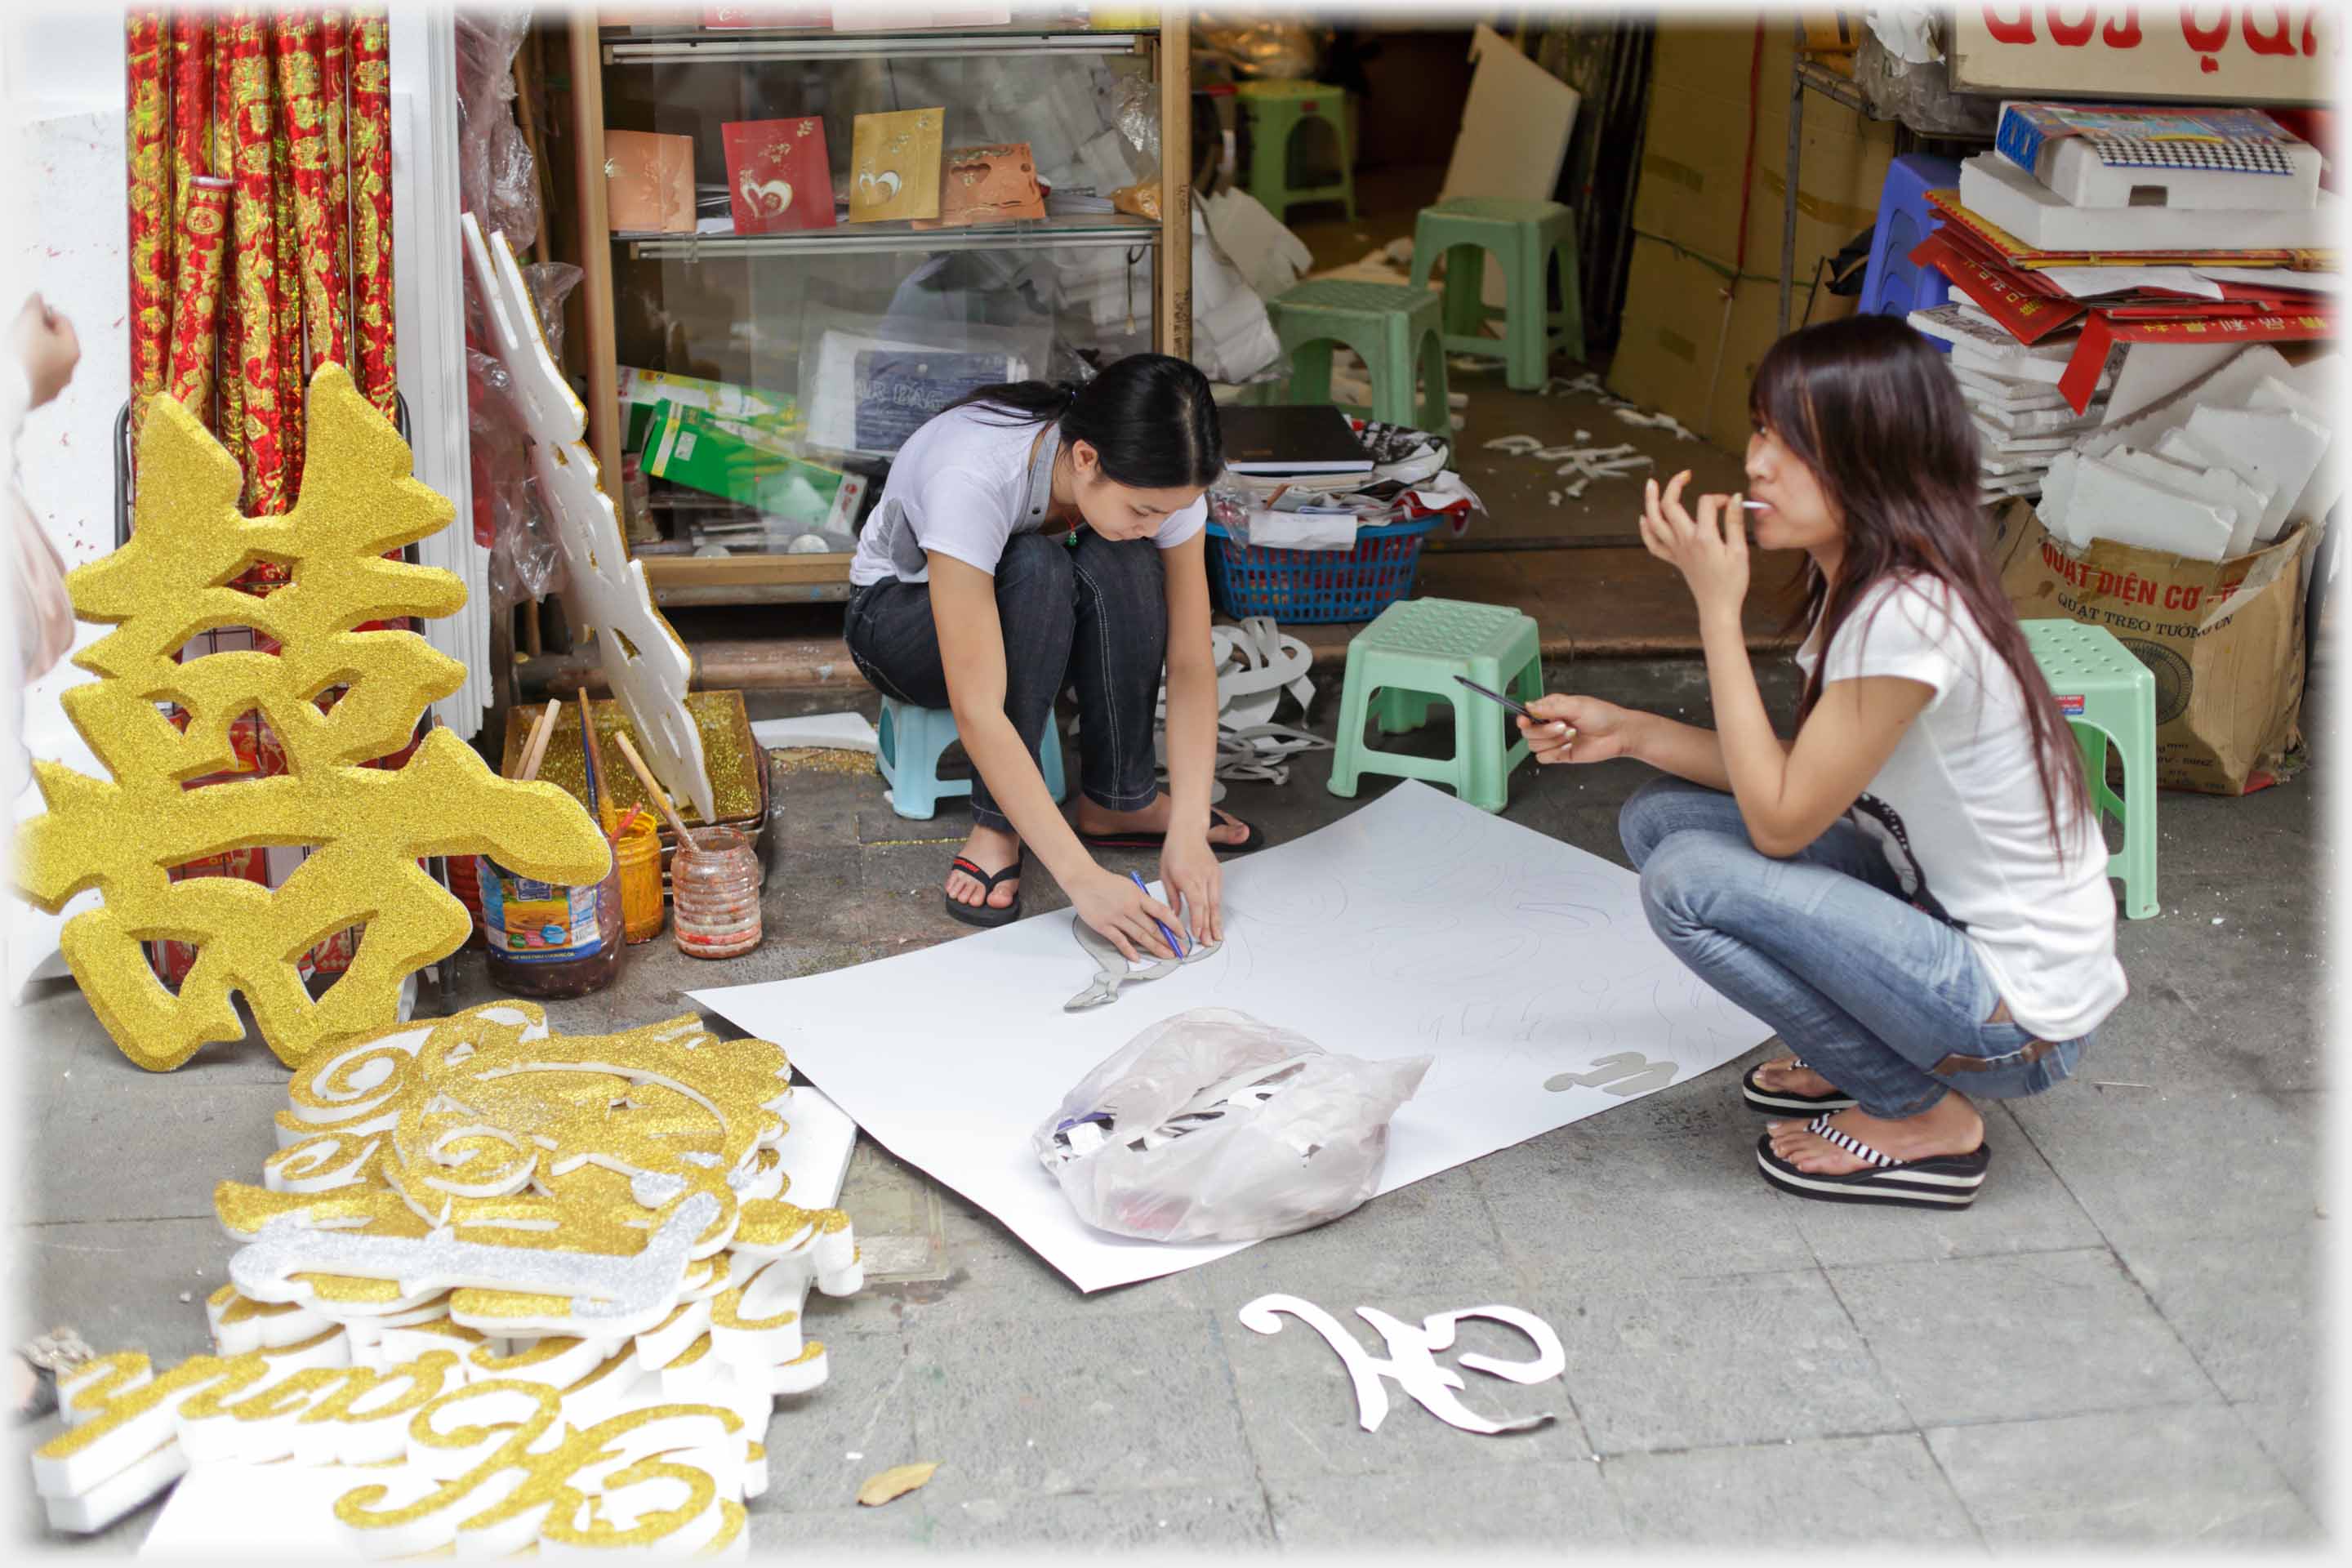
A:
1417,924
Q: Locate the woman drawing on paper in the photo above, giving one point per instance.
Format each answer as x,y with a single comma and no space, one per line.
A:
1037,536
1912,891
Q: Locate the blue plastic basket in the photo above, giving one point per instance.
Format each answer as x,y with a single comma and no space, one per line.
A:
1304,587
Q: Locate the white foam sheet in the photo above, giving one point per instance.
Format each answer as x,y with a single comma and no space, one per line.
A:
1416,924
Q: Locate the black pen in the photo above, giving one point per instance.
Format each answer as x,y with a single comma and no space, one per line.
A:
1498,697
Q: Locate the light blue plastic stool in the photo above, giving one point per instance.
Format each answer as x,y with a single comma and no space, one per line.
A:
912,740
1892,285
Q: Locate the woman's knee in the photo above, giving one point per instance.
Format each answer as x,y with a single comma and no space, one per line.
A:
1127,576
1651,814
1034,581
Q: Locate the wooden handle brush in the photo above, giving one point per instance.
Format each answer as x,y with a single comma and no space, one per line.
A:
534,751
653,790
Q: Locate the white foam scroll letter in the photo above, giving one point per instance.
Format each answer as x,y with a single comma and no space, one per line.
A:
1411,1359
644,663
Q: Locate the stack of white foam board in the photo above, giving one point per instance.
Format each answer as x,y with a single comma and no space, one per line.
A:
2023,424
2219,470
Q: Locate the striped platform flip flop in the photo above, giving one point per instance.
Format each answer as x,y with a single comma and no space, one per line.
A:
1943,1182
1786,1102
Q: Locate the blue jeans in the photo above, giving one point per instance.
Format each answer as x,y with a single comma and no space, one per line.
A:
1092,615
1883,999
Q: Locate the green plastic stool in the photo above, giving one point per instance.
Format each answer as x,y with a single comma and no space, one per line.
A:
1409,657
1393,328
1276,110
1526,237
2108,695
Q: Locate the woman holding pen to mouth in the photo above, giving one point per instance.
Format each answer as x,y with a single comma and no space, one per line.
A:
1912,891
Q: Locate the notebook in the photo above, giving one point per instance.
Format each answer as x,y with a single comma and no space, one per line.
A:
1291,438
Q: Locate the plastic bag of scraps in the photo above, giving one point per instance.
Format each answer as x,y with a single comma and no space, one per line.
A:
1213,1126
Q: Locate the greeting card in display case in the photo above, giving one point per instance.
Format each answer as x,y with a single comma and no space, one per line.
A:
894,166
777,176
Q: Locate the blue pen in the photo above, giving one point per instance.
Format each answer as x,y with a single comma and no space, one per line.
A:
1173,945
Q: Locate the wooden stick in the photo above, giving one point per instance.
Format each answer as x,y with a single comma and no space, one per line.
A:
530,740
541,734
653,790
535,753
587,760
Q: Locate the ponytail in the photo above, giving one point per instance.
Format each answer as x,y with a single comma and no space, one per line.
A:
1036,401
1150,418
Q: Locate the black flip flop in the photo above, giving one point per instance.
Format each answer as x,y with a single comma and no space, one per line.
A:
1944,1182
1250,845
1784,1103
983,914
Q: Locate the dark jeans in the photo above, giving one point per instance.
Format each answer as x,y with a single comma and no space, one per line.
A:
1093,616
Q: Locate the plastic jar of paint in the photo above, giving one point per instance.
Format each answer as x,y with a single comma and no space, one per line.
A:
548,940
639,854
714,891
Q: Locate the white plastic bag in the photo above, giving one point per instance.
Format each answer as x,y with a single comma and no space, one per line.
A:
1212,1126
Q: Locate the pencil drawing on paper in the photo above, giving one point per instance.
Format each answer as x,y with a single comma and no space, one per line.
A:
1418,925
1113,972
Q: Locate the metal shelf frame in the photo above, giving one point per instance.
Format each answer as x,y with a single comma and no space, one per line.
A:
744,50
853,239
1806,76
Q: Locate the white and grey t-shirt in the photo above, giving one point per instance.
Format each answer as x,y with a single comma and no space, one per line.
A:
1959,810
964,485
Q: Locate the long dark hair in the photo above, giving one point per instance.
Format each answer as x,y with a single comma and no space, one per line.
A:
1874,413
1149,417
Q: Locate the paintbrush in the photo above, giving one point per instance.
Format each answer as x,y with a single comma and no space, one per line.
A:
534,750
653,790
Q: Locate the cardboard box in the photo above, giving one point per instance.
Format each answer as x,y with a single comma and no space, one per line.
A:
2003,194
2225,639
1828,32
641,391
718,456
1666,348
1689,190
1687,207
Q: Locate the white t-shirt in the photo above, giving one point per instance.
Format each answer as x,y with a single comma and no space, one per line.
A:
1959,811
964,485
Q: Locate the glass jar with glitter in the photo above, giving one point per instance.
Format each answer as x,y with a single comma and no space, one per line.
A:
714,892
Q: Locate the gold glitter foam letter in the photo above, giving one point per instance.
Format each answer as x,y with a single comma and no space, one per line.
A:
370,825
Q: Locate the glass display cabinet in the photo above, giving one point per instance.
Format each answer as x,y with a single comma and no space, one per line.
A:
755,346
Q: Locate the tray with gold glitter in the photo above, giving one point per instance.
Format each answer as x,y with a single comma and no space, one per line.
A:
602,781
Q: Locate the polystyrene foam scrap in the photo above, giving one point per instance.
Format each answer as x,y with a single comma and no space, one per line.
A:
1659,421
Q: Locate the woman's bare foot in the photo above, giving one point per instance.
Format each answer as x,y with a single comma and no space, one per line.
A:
1950,1126
992,849
1785,1076
1097,821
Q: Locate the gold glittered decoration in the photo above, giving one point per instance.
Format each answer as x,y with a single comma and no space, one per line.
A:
540,1177
368,826
501,1426
823,760
733,759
